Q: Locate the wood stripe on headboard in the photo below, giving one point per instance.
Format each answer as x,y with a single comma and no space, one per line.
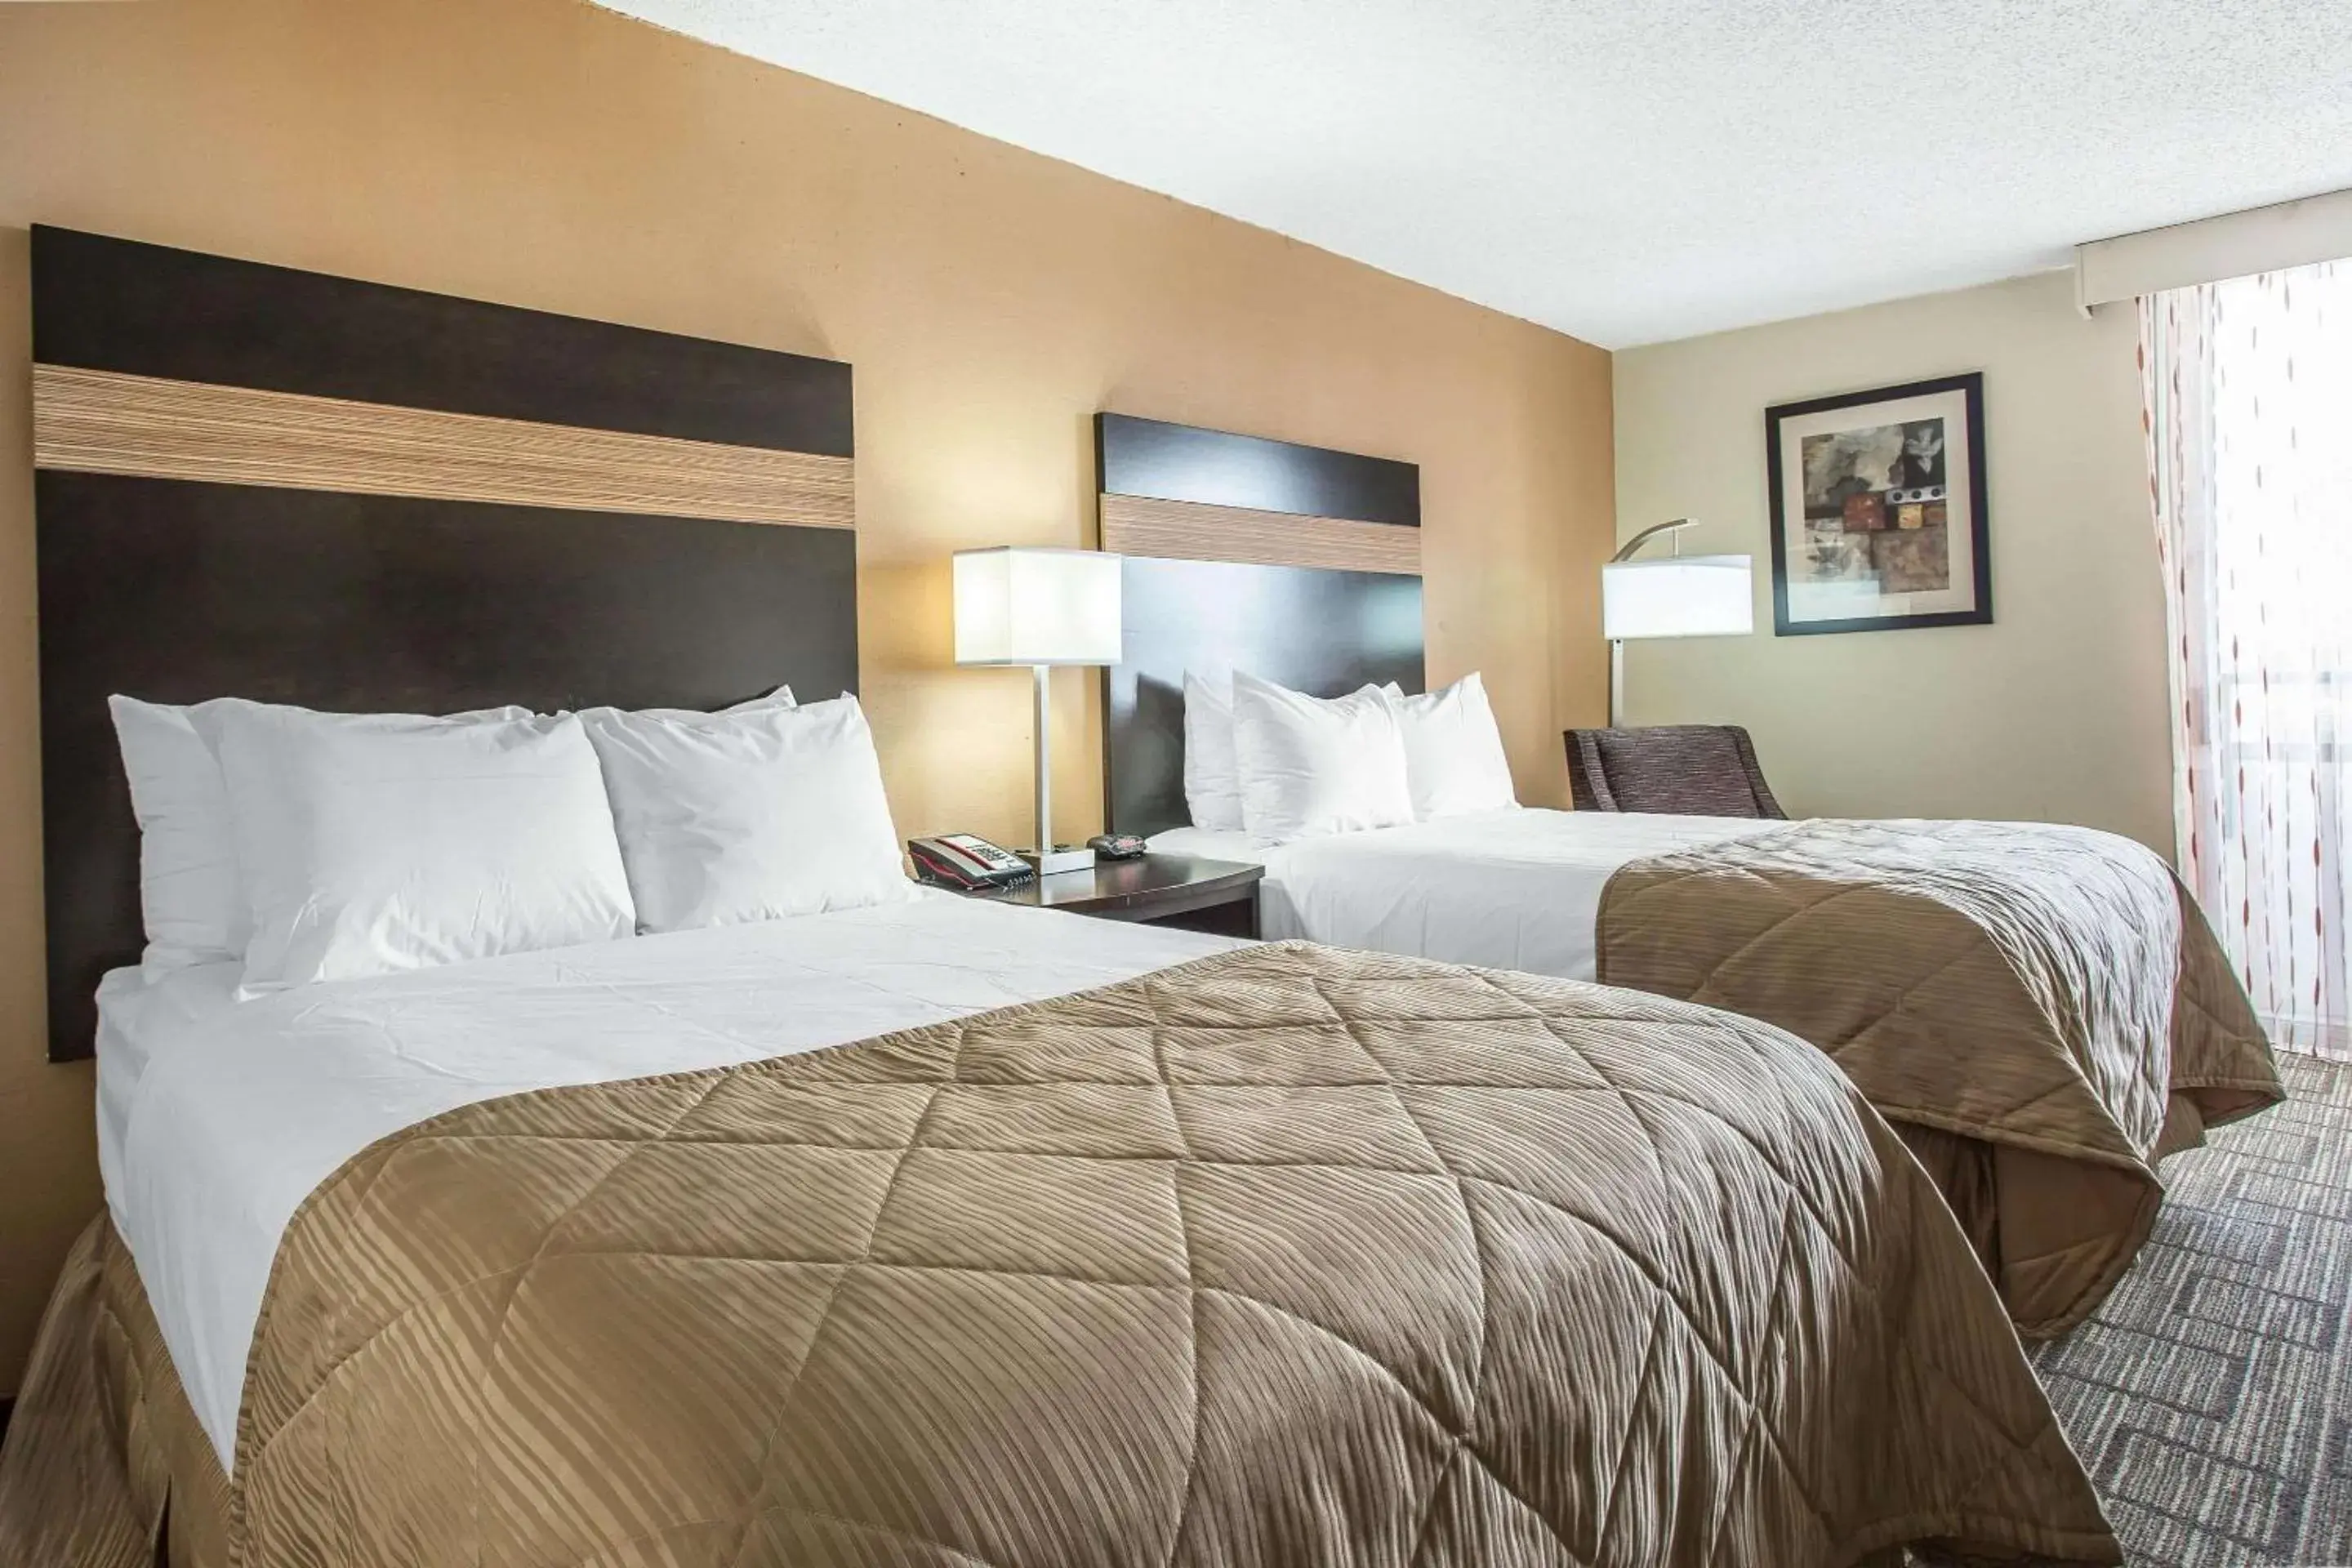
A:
1175,492
1194,530
107,422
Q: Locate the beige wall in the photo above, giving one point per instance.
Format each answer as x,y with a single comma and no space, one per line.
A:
2054,712
541,153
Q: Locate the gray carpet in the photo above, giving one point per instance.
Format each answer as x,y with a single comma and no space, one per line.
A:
2211,1394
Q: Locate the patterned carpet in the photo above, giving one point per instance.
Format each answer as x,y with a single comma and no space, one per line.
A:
2211,1396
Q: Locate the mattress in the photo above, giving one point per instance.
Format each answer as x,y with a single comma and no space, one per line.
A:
233,1121
1508,890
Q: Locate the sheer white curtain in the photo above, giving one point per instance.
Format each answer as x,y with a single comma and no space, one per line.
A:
2249,390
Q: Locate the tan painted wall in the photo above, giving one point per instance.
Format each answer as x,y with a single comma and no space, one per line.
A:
2054,712
541,153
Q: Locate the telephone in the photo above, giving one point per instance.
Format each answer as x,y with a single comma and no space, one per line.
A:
965,863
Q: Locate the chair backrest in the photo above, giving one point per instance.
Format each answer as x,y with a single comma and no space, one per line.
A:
1697,770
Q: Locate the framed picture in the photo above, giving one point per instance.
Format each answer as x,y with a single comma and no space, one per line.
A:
1878,509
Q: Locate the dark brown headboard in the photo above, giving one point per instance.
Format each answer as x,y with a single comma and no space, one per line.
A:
267,483
1296,563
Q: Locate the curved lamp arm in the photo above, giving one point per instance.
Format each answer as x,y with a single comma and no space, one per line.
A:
1626,552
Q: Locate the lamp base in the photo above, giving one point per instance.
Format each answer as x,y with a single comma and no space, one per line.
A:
1060,858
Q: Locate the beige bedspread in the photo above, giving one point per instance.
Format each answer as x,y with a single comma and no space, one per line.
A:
2041,1010
1286,1257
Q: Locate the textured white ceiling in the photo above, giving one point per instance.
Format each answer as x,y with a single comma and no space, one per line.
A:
1629,170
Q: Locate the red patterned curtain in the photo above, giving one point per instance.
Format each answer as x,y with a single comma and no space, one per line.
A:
2249,404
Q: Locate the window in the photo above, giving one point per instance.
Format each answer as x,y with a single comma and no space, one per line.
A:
2249,385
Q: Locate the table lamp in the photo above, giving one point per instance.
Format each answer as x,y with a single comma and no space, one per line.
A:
1016,605
1681,596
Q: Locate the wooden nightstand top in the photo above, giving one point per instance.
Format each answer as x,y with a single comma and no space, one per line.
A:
1148,888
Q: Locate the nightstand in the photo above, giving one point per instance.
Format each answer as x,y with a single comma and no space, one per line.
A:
1219,897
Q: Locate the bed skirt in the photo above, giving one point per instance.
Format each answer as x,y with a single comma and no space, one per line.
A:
104,1456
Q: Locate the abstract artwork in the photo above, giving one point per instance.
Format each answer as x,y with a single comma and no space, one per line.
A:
1878,509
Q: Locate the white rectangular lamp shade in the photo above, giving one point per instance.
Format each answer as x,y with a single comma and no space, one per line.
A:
1020,605
1680,596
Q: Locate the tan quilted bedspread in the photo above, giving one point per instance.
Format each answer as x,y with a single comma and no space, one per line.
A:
1286,1256
2041,1010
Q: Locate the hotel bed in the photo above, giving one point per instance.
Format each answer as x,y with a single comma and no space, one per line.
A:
2041,1010
1108,1244
873,1227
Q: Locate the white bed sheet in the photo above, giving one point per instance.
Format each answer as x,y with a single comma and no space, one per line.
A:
233,1121
1518,888
136,1021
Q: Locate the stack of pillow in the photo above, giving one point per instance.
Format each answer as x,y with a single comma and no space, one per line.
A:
311,847
1281,765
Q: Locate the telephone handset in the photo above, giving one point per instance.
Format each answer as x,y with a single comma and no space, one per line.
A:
966,862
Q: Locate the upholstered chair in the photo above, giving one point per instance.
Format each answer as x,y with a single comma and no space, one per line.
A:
1698,770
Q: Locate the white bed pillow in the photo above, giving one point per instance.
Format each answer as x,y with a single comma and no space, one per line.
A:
188,888
782,697
376,843
752,816
1454,752
1314,766
1212,775
189,892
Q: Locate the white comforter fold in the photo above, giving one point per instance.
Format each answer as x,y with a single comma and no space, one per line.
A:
1508,890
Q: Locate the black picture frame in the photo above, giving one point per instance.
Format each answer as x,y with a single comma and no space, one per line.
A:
1971,449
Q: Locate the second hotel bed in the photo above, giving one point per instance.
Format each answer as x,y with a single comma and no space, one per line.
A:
2041,1009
